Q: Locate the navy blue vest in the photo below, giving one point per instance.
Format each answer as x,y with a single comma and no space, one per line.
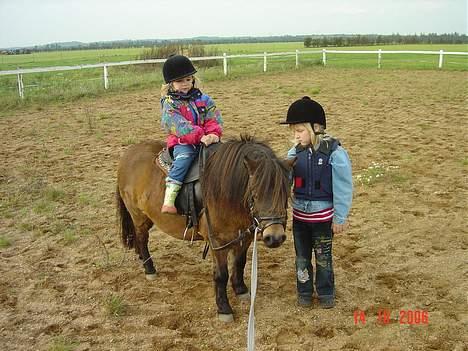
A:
313,173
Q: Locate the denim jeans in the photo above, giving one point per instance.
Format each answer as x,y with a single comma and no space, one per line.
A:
316,237
183,157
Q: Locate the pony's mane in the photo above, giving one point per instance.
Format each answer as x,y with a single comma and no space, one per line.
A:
226,176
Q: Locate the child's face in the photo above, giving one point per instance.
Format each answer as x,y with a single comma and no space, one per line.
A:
301,135
183,85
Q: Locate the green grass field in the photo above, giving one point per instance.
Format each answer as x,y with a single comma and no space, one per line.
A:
67,85
67,58
80,57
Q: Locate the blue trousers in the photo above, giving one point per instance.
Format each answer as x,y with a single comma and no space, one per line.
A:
316,237
183,157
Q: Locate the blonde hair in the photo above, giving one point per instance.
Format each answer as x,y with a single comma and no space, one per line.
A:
166,88
315,139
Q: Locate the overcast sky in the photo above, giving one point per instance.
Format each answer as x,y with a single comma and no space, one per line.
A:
34,22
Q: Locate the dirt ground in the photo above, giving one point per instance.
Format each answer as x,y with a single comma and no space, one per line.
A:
67,284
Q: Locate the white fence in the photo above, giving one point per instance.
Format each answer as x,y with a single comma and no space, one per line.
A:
224,57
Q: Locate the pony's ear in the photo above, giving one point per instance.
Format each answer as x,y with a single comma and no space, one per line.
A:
290,162
251,164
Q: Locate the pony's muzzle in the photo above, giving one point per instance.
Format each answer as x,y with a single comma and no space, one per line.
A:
274,236
272,241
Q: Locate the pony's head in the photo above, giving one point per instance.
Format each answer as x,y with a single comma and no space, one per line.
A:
247,178
267,194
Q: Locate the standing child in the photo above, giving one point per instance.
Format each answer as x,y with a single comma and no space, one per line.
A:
323,188
189,117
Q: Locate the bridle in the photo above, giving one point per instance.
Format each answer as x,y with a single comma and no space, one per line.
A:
258,220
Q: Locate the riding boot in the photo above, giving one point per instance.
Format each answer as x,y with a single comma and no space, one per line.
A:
170,196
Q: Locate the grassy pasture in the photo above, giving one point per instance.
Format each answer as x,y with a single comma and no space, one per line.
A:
70,85
80,57
67,58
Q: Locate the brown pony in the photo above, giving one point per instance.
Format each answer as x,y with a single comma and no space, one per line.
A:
245,187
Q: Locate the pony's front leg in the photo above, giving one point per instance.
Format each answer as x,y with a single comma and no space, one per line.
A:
220,277
238,266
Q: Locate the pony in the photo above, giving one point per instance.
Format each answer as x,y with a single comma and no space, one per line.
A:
245,190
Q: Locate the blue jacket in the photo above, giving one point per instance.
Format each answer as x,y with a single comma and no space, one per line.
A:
342,185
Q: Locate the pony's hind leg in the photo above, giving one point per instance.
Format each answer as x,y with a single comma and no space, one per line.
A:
134,227
141,248
237,277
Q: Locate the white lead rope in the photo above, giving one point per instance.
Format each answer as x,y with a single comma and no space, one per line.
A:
253,293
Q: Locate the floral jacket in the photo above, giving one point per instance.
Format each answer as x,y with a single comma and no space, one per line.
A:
187,118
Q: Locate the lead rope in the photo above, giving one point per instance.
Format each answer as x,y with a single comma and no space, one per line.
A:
253,293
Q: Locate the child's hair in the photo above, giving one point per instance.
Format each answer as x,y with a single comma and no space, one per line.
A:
166,88
314,138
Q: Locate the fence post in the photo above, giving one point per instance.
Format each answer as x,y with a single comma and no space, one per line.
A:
20,86
441,58
225,64
324,57
106,78
297,58
380,58
264,61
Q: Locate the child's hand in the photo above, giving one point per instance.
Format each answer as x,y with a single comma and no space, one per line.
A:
339,228
205,140
209,139
214,138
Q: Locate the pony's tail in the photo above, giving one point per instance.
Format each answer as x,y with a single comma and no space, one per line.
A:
127,229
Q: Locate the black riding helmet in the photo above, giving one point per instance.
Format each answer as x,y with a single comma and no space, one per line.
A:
306,110
176,67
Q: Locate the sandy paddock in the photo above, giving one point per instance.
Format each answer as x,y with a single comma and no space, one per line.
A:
405,251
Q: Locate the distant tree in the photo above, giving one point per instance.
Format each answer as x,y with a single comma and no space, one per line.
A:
338,41
307,42
364,40
323,42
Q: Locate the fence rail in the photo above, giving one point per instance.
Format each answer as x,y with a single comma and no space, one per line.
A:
20,71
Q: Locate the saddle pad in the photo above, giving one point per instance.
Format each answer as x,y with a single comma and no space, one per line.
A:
164,162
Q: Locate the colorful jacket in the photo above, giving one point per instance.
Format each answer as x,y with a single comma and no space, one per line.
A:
342,185
187,119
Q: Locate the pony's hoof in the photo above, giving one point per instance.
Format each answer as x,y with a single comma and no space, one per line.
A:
244,297
227,318
150,276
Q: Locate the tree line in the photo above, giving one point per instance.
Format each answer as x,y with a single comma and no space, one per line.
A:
377,39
